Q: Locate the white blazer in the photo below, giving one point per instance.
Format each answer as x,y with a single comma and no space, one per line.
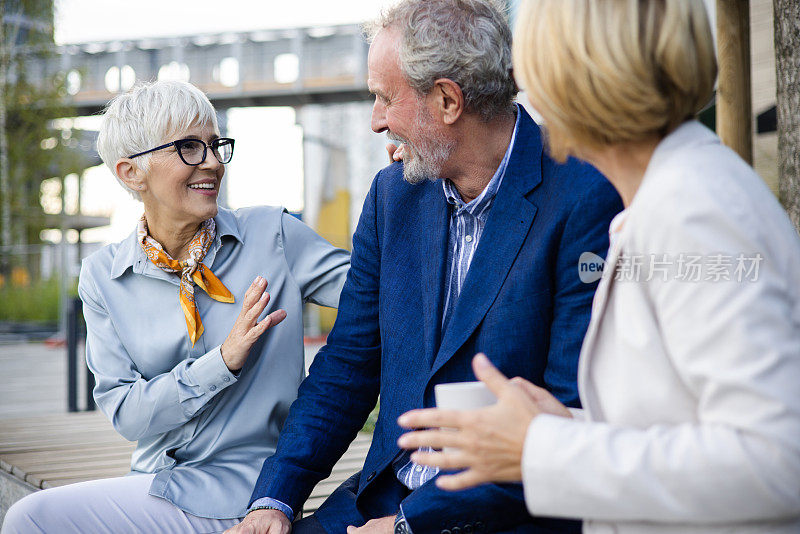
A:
690,388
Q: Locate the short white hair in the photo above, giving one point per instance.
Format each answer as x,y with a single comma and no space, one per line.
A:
146,117
467,41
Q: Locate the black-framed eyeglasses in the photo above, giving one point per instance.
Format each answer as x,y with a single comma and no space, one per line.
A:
193,151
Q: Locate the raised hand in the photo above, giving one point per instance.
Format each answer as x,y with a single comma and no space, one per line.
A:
395,152
247,329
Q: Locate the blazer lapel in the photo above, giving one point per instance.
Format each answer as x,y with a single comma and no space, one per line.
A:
434,225
505,233
508,225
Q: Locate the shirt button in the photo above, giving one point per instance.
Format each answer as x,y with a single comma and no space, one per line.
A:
468,239
418,469
213,388
226,379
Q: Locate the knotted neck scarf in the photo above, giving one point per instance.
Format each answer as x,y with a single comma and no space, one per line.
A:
191,270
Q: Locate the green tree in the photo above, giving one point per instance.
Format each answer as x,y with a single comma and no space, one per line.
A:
30,150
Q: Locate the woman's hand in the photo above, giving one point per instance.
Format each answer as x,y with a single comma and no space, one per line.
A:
488,442
247,329
395,152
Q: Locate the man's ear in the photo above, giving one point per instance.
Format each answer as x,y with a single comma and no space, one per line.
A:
128,172
448,99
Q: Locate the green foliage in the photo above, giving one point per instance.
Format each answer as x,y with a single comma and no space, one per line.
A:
35,303
369,426
32,99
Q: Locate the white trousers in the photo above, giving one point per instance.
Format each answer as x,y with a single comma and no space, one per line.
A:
113,505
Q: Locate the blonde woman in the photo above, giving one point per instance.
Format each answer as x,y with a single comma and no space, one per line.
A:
690,369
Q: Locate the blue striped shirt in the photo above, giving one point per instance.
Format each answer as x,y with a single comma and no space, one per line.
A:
467,221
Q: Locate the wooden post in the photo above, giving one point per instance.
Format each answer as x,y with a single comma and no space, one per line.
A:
72,358
734,106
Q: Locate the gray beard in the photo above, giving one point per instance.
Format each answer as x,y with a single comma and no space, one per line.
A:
427,157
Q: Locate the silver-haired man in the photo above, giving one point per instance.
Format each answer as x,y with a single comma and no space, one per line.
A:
471,245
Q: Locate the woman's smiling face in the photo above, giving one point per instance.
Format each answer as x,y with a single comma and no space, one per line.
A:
180,193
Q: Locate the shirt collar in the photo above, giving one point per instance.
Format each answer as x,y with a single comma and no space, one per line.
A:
130,253
227,225
452,195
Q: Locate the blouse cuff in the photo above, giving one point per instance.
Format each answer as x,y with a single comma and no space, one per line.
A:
210,372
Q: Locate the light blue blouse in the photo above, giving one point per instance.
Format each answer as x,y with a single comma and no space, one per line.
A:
202,430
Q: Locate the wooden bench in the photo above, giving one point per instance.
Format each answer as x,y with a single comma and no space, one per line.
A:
55,450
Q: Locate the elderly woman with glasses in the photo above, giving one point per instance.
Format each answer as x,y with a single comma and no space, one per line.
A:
689,374
184,341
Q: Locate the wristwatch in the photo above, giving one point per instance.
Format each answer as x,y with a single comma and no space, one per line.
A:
400,525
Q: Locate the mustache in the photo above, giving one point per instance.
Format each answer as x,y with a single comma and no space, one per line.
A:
394,137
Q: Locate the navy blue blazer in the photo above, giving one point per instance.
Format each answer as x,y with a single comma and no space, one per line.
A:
522,303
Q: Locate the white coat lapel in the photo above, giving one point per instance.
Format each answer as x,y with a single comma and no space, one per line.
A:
599,302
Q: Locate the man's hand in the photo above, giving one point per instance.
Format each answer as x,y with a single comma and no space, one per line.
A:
263,522
384,525
487,442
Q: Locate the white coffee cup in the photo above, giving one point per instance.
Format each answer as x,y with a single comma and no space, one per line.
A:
463,396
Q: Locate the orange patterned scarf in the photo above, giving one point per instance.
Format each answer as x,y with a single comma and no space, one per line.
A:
190,270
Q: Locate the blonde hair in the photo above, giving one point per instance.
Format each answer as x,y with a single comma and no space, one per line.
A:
604,72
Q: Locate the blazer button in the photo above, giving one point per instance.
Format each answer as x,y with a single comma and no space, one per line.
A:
468,528
455,530
371,476
445,531
478,526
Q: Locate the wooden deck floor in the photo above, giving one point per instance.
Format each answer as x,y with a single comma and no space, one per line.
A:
50,447
50,451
